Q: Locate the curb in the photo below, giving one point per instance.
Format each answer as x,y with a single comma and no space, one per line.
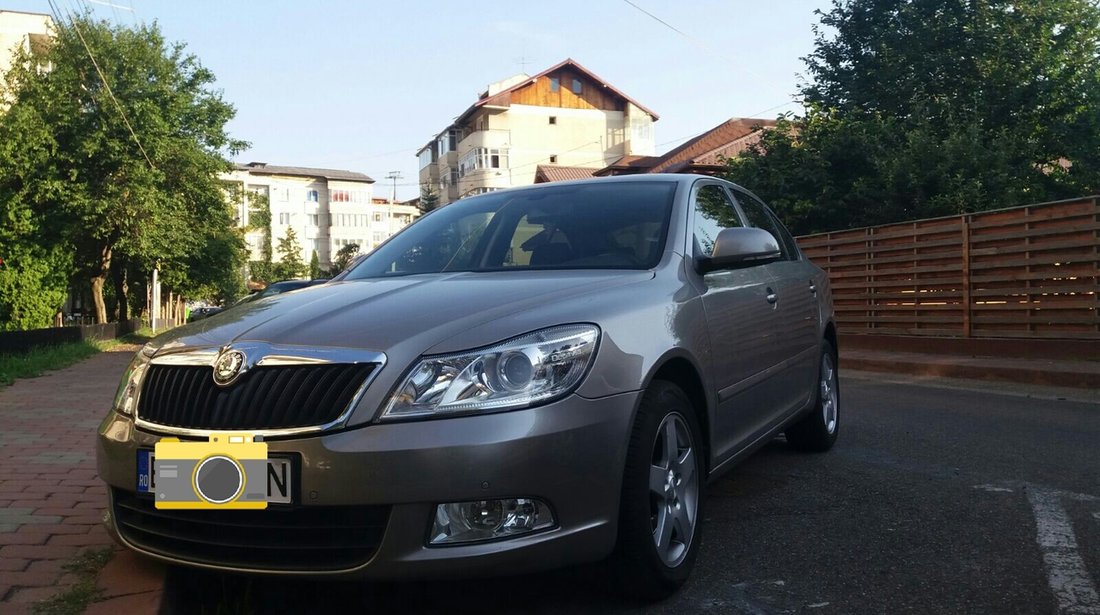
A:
1076,374
131,584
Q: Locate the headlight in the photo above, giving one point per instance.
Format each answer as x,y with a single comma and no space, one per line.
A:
128,389
518,373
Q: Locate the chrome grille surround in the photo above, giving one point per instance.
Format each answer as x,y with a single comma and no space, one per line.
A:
262,354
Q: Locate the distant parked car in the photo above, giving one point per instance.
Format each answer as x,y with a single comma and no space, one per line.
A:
202,312
522,380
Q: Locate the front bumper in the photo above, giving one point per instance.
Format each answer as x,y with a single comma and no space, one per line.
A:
569,453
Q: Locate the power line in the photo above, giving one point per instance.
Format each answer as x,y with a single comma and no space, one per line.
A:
661,21
113,6
698,43
106,86
381,154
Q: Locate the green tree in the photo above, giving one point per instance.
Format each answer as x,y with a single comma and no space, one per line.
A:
290,264
259,219
262,271
921,108
429,198
344,256
117,160
34,267
314,266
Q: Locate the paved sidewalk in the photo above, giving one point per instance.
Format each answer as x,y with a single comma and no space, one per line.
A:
51,501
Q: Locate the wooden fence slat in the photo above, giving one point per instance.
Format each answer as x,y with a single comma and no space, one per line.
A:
1031,271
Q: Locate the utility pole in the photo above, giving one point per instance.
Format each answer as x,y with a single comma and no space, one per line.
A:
394,175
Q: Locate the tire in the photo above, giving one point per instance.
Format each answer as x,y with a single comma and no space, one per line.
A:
659,522
817,431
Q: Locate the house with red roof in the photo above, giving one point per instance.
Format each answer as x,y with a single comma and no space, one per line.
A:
704,154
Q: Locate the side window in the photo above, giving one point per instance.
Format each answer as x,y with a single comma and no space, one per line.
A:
757,215
713,212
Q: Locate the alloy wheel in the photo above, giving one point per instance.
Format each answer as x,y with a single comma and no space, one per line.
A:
829,398
673,490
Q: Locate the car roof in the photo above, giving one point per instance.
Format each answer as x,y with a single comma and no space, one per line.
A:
678,178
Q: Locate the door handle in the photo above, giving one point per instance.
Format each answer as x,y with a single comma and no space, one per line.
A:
813,287
772,297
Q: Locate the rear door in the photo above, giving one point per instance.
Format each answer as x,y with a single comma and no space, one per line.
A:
742,326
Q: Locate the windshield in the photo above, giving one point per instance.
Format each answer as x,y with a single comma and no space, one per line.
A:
617,225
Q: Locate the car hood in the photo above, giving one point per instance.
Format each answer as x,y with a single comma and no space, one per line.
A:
382,314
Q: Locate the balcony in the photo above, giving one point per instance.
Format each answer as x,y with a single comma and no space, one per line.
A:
485,138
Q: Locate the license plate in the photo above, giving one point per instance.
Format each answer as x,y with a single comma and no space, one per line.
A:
280,476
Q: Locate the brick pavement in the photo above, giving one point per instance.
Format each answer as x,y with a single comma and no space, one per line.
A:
51,501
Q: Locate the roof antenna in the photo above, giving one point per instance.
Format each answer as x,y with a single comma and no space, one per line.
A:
523,61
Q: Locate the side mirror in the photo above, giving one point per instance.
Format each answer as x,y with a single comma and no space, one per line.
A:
735,248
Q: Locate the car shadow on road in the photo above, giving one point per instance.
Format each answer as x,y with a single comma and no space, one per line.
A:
581,589
578,589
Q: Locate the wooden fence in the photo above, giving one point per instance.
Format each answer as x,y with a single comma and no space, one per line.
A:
23,341
1030,272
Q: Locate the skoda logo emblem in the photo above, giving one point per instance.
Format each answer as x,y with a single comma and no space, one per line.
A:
228,367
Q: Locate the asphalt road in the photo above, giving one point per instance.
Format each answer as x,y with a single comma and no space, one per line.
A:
935,500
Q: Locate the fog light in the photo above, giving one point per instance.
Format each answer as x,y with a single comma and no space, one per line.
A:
459,522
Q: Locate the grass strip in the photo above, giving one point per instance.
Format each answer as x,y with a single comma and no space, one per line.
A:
42,359
76,598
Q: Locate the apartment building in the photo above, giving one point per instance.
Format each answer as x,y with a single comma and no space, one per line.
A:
21,31
327,208
564,116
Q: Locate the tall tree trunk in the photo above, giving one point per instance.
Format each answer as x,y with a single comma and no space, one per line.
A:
122,291
102,270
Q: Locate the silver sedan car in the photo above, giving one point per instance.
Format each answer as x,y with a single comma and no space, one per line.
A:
527,379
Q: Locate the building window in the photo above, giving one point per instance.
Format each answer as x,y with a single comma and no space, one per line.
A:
284,218
311,196
553,120
378,238
348,196
555,84
553,160
377,217
426,156
448,141
312,218
480,158
577,88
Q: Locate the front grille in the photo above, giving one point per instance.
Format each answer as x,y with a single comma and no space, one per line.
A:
263,398
311,538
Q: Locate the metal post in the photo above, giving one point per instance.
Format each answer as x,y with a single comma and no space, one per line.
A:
968,326
156,300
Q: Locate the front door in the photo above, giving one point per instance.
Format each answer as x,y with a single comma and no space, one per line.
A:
742,323
798,336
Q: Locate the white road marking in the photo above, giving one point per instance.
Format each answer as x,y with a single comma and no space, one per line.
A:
817,606
993,488
1096,514
1066,572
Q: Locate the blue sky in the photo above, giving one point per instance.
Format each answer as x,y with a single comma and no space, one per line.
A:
363,85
